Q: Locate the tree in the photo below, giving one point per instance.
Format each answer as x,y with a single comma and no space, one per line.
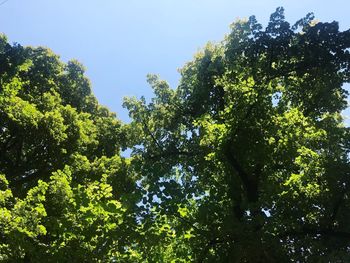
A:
248,159
65,192
48,116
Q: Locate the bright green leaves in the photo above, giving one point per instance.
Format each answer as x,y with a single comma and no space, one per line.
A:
48,115
183,211
60,154
308,181
6,218
54,122
85,215
60,193
68,215
294,130
5,192
22,224
213,134
16,109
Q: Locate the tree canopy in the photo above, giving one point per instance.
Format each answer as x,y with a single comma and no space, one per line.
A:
247,160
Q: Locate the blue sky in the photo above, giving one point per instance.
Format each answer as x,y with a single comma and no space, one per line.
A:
119,42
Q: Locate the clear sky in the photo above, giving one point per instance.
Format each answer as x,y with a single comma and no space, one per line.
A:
119,42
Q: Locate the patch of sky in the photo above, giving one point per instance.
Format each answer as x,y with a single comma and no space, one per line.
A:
276,97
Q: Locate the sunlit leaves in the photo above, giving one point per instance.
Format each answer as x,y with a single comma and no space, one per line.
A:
62,178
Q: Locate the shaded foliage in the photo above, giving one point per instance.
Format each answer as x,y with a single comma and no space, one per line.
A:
249,156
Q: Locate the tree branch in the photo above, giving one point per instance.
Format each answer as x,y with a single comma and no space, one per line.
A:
314,232
151,134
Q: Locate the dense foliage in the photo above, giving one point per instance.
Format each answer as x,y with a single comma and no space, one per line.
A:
247,160
63,180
